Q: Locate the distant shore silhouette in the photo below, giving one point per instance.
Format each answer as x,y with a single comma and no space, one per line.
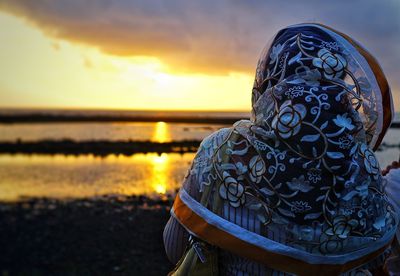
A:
50,116
102,148
67,146
169,117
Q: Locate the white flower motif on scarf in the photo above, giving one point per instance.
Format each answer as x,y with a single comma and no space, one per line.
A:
332,65
287,122
380,222
345,141
330,45
342,227
314,175
347,208
300,206
360,190
343,121
232,191
295,92
276,50
363,188
257,168
300,184
312,77
370,162
241,168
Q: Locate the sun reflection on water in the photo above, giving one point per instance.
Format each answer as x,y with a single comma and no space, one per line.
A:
160,163
81,176
161,133
159,174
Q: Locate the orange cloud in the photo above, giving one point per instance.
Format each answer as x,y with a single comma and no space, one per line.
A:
212,37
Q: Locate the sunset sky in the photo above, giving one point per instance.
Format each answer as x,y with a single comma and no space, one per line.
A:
169,55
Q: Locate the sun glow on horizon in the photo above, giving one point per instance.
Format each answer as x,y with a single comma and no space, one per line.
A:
41,71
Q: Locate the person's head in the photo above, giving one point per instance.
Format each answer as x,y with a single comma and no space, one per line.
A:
321,106
347,80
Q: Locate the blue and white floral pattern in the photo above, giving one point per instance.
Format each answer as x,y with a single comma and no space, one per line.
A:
299,184
300,207
333,65
314,175
287,122
232,191
306,146
343,121
295,92
345,141
370,162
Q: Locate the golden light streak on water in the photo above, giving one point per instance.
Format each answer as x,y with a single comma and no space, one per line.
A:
161,133
60,176
160,173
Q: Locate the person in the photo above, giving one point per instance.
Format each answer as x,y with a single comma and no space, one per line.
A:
297,189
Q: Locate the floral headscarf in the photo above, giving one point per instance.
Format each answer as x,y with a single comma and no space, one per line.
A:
305,161
318,109
312,54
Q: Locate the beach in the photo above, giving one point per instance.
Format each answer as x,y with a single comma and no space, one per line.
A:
108,235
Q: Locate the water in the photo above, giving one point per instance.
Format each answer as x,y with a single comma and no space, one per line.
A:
136,131
389,154
61,176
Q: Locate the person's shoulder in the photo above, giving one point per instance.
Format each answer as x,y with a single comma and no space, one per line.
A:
215,139
202,162
210,144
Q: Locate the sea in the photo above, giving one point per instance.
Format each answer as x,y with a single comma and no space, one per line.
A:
87,175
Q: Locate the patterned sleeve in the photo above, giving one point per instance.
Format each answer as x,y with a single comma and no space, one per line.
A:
175,236
392,189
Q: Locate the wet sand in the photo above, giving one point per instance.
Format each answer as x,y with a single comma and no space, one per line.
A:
109,235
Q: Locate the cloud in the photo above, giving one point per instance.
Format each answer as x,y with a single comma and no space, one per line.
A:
209,36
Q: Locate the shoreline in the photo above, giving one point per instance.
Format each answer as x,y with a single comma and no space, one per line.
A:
108,235
104,147
67,146
48,118
33,118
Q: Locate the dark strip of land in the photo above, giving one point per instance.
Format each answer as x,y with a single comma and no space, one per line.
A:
110,235
98,147
72,118
46,118
103,148
387,146
395,125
